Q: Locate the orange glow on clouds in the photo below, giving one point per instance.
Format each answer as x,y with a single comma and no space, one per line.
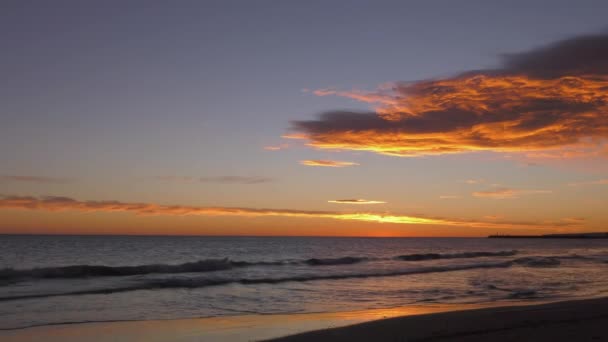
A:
468,114
276,147
293,136
327,163
355,201
56,204
550,103
503,193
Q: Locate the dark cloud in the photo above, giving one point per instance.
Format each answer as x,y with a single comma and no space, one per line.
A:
585,55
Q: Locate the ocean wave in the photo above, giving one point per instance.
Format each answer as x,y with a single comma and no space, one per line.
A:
538,261
464,255
335,261
83,271
189,283
9,275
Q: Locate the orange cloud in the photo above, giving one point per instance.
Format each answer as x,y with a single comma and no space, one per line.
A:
293,136
327,163
276,147
59,203
355,201
543,101
503,193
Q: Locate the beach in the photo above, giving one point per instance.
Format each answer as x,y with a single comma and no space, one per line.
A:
582,320
240,328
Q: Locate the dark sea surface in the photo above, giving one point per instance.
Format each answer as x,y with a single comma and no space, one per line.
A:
59,279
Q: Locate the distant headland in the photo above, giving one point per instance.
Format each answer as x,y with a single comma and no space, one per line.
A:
554,236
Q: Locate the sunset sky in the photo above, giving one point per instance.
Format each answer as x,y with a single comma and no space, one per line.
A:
362,118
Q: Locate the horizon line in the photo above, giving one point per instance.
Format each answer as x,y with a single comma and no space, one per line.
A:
244,236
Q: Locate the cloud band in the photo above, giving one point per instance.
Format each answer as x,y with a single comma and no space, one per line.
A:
59,203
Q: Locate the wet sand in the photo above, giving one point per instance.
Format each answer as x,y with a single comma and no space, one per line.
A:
243,328
566,321
584,320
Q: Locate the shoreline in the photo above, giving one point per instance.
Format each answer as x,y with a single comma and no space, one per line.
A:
296,327
239,328
574,320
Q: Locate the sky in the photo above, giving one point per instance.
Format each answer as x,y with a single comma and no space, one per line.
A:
342,118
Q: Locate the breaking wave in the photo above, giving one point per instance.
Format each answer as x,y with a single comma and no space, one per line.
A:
200,282
464,255
83,271
210,265
334,261
186,282
538,261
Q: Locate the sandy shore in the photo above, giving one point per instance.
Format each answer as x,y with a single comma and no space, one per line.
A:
243,328
584,320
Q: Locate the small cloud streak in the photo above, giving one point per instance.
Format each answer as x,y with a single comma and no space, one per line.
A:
327,163
355,201
220,179
475,181
549,102
294,136
596,182
60,203
235,180
504,193
276,147
574,219
185,179
32,179
449,197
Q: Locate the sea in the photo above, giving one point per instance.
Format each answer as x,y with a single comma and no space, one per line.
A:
47,280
